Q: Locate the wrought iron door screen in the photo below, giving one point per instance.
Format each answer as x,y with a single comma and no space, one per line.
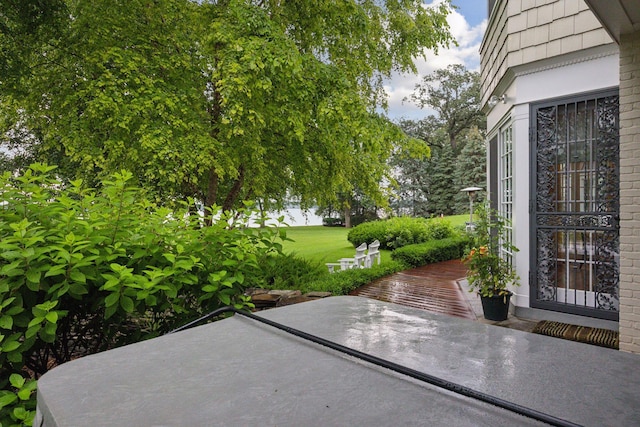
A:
575,206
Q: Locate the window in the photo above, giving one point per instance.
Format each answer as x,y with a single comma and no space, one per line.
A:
505,183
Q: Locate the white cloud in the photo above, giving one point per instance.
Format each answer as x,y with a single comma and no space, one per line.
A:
467,53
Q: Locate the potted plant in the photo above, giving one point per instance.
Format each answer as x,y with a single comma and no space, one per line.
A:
490,273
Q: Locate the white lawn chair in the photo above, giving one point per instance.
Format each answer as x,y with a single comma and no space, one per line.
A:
373,254
358,261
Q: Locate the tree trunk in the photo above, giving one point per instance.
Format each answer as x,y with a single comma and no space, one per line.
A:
347,216
212,194
232,197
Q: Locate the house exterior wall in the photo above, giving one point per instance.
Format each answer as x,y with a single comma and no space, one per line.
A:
533,51
556,79
630,192
525,31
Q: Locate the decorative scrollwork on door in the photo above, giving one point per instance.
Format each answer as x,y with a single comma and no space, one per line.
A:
575,206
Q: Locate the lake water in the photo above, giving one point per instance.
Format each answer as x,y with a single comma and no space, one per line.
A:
295,217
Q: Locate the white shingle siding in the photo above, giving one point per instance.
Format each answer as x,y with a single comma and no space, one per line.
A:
525,31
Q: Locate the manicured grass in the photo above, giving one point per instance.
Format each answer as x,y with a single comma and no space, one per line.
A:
319,244
328,244
458,220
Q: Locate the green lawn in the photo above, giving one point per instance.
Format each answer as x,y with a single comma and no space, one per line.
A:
319,244
329,244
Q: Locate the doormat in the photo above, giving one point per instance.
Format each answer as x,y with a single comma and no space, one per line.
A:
596,336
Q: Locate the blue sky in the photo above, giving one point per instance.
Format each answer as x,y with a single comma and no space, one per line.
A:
467,24
474,11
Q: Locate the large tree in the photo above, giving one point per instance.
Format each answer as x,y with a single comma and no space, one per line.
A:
223,100
454,94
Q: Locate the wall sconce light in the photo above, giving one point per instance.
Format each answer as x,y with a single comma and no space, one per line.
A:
493,101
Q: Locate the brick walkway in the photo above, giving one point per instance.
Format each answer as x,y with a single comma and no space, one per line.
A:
433,287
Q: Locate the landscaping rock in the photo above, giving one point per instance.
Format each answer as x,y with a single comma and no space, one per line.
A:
318,294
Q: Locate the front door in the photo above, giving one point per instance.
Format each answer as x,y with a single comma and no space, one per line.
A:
575,205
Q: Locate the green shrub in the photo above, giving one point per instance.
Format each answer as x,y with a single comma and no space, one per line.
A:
367,232
291,272
345,281
439,228
432,251
395,233
83,271
332,222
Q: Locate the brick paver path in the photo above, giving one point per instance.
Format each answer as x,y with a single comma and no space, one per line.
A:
433,287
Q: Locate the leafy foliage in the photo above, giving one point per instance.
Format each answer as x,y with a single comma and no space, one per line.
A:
490,271
345,281
401,231
83,271
289,271
222,101
432,251
454,93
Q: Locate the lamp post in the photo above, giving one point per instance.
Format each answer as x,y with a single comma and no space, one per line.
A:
471,191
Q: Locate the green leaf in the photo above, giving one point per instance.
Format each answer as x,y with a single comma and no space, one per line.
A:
34,276
210,288
56,270
225,299
111,299
7,302
47,305
6,322
48,333
16,380
110,284
78,276
110,311
20,413
33,330
52,316
25,392
36,321
10,346
77,289
127,304
7,398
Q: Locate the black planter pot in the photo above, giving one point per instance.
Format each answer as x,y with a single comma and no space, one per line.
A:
496,307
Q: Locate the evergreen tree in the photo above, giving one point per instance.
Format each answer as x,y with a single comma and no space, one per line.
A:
471,170
412,183
441,189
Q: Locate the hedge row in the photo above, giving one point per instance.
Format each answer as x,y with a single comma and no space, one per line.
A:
432,251
395,233
343,282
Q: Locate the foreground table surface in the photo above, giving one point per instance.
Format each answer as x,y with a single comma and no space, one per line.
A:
239,372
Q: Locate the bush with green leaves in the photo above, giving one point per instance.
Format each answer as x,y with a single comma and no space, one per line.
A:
84,270
432,251
345,281
290,271
397,232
